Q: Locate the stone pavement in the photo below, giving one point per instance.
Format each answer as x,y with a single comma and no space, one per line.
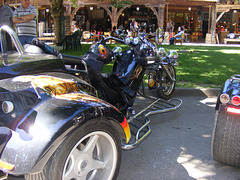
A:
179,145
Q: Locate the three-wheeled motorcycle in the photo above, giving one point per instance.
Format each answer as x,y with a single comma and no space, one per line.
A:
52,123
226,131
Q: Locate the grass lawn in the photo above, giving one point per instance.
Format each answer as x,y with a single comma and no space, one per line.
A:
199,66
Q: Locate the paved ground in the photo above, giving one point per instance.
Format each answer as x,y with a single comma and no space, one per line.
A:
178,147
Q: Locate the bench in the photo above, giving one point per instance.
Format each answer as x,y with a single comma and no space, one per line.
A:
46,38
226,40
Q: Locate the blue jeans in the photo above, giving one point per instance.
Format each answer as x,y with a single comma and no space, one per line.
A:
25,39
171,41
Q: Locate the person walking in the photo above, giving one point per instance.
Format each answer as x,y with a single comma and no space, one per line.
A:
25,18
6,14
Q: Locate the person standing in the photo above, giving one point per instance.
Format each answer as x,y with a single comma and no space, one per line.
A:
6,14
171,29
133,27
25,18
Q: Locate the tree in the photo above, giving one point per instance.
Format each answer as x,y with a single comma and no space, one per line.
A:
57,13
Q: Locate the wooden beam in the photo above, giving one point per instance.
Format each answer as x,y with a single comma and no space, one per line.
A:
226,7
219,17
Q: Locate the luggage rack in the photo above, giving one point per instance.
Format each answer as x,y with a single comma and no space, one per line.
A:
140,123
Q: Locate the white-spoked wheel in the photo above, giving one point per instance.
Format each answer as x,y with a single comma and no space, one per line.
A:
93,157
91,152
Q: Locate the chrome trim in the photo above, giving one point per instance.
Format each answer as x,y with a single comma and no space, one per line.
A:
156,107
235,77
14,38
221,100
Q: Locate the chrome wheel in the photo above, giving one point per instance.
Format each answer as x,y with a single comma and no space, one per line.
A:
166,85
93,157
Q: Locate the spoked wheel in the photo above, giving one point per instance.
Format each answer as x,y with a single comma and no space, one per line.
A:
166,85
91,152
159,84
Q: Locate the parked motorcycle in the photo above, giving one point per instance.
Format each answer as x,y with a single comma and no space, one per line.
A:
130,66
140,68
226,131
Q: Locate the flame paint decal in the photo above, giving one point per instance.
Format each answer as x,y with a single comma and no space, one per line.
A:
126,129
103,52
67,89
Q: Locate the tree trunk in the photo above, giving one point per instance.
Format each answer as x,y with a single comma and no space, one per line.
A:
57,13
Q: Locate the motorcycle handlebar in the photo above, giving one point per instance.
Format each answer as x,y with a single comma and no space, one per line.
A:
114,38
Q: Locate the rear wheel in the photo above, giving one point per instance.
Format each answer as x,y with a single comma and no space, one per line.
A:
92,152
225,145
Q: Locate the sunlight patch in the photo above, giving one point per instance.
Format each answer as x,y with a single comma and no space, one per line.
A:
195,167
230,51
210,102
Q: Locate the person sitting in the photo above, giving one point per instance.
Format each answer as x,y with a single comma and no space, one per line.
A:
114,32
177,36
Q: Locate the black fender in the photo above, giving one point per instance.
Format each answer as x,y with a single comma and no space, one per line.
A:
42,119
45,128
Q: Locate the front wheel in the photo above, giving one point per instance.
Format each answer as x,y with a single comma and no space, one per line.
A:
93,151
162,83
225,146
166,85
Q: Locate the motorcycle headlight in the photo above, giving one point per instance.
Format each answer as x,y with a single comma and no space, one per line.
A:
135,40
127,40
161,51
172,54
7,107
117,50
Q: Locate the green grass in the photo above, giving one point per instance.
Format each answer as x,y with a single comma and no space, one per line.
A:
203,66
199,66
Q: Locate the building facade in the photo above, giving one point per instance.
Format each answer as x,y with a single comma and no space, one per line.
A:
205,16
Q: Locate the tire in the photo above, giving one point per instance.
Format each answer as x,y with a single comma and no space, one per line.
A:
93,151
225,146
167,86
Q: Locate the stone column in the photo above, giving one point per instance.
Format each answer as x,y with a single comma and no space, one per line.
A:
159,13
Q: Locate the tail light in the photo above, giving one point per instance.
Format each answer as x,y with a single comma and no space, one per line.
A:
233,110
224,98
236,100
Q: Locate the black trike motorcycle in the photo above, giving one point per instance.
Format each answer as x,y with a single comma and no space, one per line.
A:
60,118
226,131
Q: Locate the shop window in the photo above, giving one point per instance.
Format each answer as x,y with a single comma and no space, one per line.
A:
171,15
179,18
